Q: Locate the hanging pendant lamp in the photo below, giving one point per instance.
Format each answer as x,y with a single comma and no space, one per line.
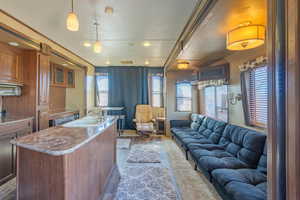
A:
72,20
97,45
246,36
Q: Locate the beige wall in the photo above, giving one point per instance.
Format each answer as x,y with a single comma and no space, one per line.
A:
172,114
236,115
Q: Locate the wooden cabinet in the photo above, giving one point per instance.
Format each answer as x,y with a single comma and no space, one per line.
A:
62,76
9,132
11,68
44,79
43,119
70,78
43,88
58,76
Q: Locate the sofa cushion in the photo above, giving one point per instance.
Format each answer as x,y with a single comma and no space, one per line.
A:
215,153
195,139
210,163
239,190
249,176
247,145
262,164
195,146
212,129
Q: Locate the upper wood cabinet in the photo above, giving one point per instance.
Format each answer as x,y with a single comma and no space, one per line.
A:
70,78
11,68
62,76
58,77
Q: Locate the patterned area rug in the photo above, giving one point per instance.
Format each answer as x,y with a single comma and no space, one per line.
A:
8,190
144,154
123,143
146,183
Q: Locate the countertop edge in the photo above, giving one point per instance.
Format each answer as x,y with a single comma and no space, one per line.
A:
62,152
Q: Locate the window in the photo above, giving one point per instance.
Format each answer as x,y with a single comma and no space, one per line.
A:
216,102
183,96
157,91
258,96
102,89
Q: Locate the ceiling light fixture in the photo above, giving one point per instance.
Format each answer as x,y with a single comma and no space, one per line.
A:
87,44
15,44
109,10
72,20
147,62
246,36
182,64
97,45
65,64
147,44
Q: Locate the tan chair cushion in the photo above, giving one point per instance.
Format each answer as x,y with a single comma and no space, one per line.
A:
143,113
144,127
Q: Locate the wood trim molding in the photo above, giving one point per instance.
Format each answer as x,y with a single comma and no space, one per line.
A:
200,12
293,99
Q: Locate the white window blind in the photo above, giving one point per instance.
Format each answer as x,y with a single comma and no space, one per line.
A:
102,87
216,102
183,96
258,100
157,91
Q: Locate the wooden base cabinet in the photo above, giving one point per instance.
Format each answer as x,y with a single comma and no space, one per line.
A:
9,132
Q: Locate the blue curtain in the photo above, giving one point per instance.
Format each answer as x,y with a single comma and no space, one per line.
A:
128,86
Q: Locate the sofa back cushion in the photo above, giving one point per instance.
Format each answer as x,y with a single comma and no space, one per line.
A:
245,144
196,121
262,163
212,129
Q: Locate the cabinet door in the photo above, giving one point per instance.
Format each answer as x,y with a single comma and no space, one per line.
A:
10,65
43,120
7,158
71,78
44,79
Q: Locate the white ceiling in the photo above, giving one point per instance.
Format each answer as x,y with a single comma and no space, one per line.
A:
134,21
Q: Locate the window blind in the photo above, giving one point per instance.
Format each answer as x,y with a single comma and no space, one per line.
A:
258,100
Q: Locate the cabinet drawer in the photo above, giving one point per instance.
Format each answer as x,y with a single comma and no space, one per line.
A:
16,126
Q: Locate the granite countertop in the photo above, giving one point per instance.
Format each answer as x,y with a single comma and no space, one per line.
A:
6,119
64,139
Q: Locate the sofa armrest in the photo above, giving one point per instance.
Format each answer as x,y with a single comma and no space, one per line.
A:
180,123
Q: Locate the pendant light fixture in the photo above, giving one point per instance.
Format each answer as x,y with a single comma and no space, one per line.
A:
72,20
182,64
246,36
97,45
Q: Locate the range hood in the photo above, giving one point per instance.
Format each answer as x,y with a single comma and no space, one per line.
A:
10,90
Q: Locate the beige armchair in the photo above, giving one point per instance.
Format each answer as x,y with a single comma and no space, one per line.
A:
144,119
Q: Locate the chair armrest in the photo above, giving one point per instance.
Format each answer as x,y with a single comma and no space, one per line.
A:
180,123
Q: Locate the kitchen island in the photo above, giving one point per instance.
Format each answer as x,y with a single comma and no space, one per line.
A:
69,162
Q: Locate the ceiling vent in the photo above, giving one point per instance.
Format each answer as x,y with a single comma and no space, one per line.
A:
127,62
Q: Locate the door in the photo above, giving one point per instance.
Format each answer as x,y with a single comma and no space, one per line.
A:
7,157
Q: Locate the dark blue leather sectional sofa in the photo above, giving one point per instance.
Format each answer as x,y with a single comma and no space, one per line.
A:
233,158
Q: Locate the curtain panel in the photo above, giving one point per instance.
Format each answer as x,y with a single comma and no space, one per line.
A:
128,86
